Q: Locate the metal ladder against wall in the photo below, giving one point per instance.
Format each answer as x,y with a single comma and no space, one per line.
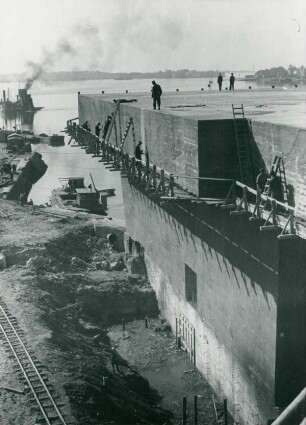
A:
129,125
243,148
278,168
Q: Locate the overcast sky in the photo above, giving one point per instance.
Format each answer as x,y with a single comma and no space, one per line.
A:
149,35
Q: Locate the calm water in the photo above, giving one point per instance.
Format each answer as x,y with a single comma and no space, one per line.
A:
59,100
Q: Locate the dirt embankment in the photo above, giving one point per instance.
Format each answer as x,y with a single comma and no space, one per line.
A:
65,286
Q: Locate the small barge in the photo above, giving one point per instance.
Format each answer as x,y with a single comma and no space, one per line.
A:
57,140
74,195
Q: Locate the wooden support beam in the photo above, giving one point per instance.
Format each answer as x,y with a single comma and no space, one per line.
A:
255,218
269,228
230,200
291,233
287,236
228,206
240,212
242,208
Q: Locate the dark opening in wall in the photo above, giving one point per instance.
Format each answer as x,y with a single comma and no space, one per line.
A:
190,285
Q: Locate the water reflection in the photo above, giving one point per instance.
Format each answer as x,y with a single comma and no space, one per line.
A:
67,161
18,120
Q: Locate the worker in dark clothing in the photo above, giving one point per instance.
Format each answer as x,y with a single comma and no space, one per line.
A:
276,188
98,129
138,151
220,81
106,126
147,158
261,180
232,81
86,126
156,94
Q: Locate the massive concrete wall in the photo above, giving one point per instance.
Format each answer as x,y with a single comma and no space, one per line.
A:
290,373
236,313
172,141
249,316
205,148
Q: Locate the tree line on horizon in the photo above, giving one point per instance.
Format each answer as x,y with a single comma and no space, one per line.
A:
282,73
275,72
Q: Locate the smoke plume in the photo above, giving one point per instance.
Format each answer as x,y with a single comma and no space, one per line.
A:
36,70
82,45
123,40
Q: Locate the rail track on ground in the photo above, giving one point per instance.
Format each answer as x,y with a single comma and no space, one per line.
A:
31,371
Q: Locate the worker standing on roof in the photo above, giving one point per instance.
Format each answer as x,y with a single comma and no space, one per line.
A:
220,81
261,180
232,81
156,94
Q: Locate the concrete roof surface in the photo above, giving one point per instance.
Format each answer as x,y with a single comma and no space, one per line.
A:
277,106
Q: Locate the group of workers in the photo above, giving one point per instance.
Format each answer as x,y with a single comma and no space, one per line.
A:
275,183
231,81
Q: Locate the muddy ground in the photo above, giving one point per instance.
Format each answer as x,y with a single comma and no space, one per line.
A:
55,261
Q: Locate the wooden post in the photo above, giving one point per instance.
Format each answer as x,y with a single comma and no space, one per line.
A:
195,400
139,169
162,181
154,176
132,168
184,411
225,411
123,324
194,347
171,185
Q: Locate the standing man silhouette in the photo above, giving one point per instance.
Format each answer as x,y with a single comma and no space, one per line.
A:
98,129
156,94
220,81
232,81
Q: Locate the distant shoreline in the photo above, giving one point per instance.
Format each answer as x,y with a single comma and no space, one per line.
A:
98,75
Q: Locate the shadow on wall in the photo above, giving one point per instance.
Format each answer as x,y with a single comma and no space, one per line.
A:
235,239
258,162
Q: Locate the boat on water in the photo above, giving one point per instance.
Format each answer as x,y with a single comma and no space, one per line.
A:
24,103
73,195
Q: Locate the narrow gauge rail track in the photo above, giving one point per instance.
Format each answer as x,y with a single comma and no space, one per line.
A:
31,370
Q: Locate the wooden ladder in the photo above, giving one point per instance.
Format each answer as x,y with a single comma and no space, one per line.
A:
128,126
243,148
112,122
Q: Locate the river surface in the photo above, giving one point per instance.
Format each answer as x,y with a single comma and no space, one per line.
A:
59,99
